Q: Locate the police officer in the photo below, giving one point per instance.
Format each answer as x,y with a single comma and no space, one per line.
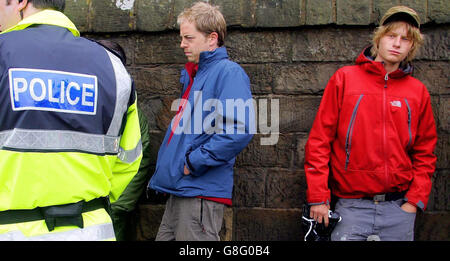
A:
69,128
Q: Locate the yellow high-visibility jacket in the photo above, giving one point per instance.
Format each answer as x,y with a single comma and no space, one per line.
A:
69,127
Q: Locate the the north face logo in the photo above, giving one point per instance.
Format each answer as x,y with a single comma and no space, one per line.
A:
396,104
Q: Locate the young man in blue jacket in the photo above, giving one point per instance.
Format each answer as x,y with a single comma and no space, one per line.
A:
214,122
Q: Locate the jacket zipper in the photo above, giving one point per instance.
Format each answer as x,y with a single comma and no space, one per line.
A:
386,78
409,123
348,138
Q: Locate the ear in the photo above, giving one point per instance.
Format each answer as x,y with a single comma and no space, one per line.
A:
22,5
214,39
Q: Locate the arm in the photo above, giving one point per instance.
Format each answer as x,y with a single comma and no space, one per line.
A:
130,154
318,150
222,147
318,146
422,157
128,199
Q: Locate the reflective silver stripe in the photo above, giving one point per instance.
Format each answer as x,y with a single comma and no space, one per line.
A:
123,91
129,156
91,233
58,140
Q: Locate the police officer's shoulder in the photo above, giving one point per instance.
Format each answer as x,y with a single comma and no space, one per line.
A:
13,39
11,35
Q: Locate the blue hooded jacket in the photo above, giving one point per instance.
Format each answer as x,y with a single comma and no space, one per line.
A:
216,125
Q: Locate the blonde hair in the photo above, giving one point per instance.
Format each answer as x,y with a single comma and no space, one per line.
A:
207,19
412,32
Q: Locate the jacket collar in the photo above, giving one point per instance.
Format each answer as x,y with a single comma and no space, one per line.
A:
369,64
48,17
191,69
212,56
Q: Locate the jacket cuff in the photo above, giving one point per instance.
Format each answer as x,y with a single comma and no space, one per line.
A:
327,202
191,161
188,164
318,199
415,202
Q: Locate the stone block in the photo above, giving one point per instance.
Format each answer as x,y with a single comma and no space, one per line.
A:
444,114
150,106
329,44
154,15
439,11
442,151
226,232
155,138
157,110
257,224
161,48
432,226
436,44
435,106
439,200
299,155
249,187
278,155
78,13
294,120
278,13
150,217
285,188
237,12
159,80
304,78
353,12
261,77
112,16
259,47
319,12
434,74
164,116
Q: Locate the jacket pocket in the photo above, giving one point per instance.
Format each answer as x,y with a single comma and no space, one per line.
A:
348,137
409,123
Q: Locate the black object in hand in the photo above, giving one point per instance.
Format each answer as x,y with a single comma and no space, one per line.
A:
315,231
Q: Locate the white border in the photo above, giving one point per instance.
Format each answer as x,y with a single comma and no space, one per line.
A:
11,91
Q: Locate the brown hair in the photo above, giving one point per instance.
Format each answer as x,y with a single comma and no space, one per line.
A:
207,19
413,33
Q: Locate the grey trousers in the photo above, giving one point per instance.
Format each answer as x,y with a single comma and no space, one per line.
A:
364,219
190,219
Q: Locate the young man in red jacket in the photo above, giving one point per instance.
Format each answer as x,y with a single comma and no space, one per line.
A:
373,138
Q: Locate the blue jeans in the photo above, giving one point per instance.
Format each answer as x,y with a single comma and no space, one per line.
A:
362,218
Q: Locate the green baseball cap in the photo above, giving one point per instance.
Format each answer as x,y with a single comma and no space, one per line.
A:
401,13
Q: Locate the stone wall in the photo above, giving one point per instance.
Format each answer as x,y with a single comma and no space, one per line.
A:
289,48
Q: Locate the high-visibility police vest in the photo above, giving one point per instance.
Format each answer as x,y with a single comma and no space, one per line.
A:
69,129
